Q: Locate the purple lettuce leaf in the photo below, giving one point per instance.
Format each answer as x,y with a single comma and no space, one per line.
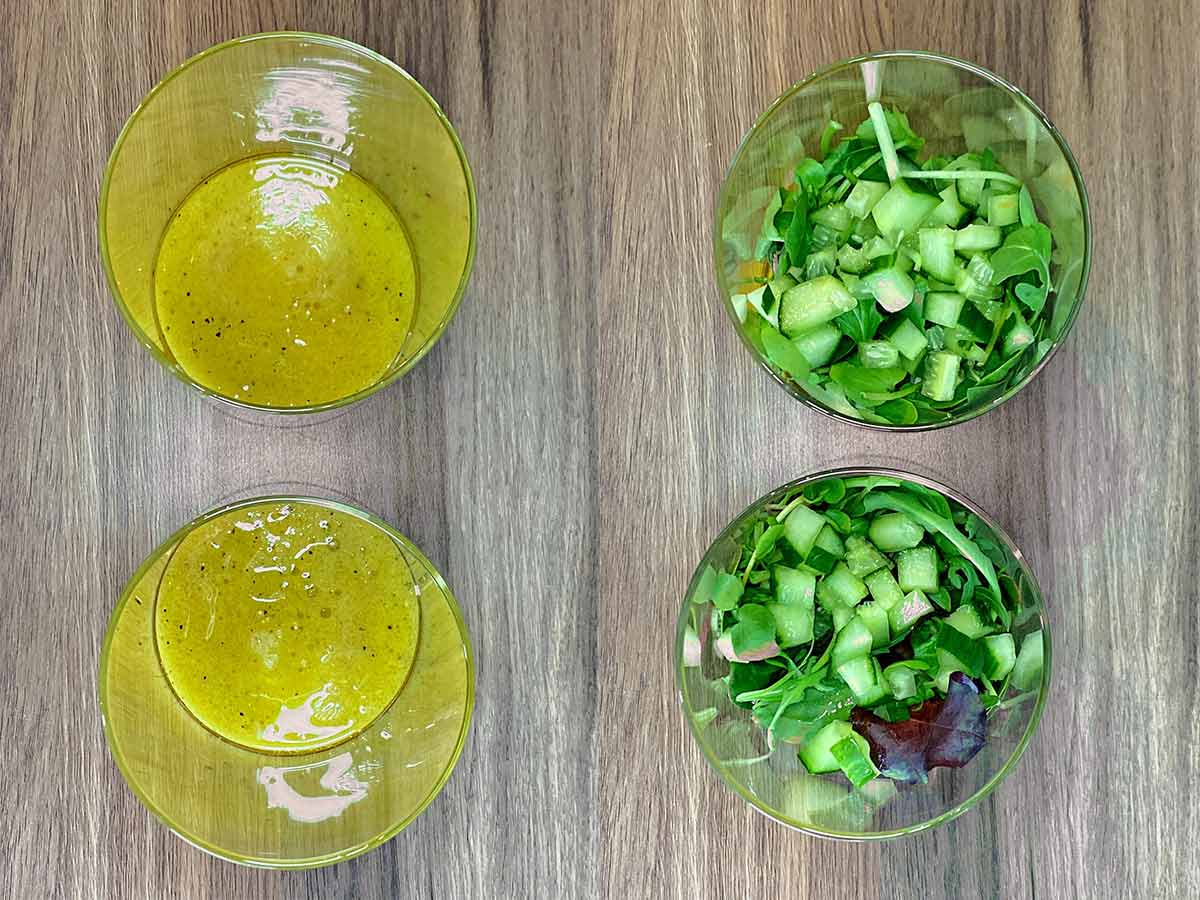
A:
945,732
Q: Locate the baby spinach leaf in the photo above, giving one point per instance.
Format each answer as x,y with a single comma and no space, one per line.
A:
861,323
854,377
784,354
898,412
1026,249
727,591
797,237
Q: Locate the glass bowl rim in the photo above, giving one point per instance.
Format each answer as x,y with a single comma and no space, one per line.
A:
953,812
307,862
954,62
328,41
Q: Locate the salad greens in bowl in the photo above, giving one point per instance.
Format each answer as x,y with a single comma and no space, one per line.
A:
903,240
863,653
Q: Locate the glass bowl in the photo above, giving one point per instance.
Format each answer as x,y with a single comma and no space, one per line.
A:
777,783
957,106
290,93
286,810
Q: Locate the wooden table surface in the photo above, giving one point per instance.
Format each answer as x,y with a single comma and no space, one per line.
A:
590,422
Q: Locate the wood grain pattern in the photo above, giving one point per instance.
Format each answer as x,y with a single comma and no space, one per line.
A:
567,452
483,455
1092,469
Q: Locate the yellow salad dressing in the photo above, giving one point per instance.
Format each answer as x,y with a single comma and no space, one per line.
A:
284,281
286,626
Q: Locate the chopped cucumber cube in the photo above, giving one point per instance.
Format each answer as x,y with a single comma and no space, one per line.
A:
895,531
862,678
875,617
835,217
969,189
813,303
975,237
1000,655
1027,671
840,588
816,752
853,755
916,569
852,641
801,528
892,288
793,623
840,615
794,587
948,212
943,308
908,339
852,259
828,540
937,253
878,354
901,681
906,614
941,376
864,196
966,620
902,209
1003,209
884,589
819,345
862,558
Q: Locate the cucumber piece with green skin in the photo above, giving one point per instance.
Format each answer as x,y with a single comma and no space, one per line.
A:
908,339
943,308
818,346
840,588
902,209
891,288
828,540
781,285
819,561
878,354
969,189
916,570
801,528
1003,209
1000,655
895,531
853,755
907,613
878,247
816,751
852,259
862,558
1027,671
937,253
813,303
941,376
835,217
793,623
949,212
875,617
794,587
853,640
948,664
864,196
884,589
966,620
862,677
841,615
974,237
901,681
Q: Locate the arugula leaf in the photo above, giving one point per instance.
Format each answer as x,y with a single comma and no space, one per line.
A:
897,124
899,502
746,677
769,233
1025,207
861,323
831,128
1026,249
